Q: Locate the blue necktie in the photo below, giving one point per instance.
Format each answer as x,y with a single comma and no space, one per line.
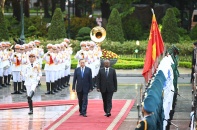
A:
82,72
106,72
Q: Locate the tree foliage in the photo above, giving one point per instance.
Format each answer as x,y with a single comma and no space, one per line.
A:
114,27
3,30
169,27
123,6
57,28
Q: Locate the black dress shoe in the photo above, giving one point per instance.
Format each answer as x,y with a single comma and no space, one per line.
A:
84,115
19,92
15,92
48,92
108,114
30,112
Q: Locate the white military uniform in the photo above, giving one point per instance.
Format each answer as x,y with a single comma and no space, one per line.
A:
16,67
49,66
32,75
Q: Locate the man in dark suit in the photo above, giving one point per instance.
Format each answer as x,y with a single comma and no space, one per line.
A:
82,84
107,85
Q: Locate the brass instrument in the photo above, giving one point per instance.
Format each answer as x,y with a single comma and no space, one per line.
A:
41,46
10,49
98,34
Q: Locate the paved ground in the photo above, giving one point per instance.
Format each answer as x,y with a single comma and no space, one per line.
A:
129,82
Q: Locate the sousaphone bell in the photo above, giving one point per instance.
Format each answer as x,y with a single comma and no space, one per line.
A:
98,34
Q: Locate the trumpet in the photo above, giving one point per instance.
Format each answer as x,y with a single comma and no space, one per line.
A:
10,49
41,47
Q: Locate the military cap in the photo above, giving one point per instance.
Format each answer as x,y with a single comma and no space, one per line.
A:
37,42
49,46
83,43
17,46
22,47
66,40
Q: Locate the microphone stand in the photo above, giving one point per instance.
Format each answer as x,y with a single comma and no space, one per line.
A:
172,124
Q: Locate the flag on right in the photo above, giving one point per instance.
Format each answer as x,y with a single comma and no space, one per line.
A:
154,49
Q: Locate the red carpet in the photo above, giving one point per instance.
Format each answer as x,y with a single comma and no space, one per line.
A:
96,119
38,104
71,120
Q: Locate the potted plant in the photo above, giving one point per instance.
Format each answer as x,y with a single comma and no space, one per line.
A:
108,55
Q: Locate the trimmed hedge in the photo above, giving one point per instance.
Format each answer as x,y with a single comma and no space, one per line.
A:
132,63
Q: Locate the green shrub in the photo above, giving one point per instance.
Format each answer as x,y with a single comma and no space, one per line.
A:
77,23
13,26
185,64
83,34
193,33
3,29
35,26
57,28
169,27
114,27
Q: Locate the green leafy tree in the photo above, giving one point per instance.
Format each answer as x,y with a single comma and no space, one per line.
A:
3,30
169,27
132,28
114,27
123,6
57,28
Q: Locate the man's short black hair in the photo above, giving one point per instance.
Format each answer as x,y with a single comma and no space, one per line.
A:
80,59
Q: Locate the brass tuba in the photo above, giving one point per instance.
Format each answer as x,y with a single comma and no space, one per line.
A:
98,34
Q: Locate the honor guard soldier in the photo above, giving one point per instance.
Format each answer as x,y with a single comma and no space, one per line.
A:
32,75
57,67
63,66
68,52
1,66
24,63
10,52
6,63
148,109
81,54
16,69
39,53
49,69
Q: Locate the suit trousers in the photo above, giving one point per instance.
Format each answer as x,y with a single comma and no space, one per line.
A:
83,102
107,101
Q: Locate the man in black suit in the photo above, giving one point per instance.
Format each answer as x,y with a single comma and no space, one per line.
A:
83,77
107,85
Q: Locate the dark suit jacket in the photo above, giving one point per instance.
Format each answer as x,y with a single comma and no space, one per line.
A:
82,84
108,83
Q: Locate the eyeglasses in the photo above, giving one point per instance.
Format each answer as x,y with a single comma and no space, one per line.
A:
31,56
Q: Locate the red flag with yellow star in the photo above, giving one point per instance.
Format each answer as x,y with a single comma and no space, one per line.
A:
154,49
